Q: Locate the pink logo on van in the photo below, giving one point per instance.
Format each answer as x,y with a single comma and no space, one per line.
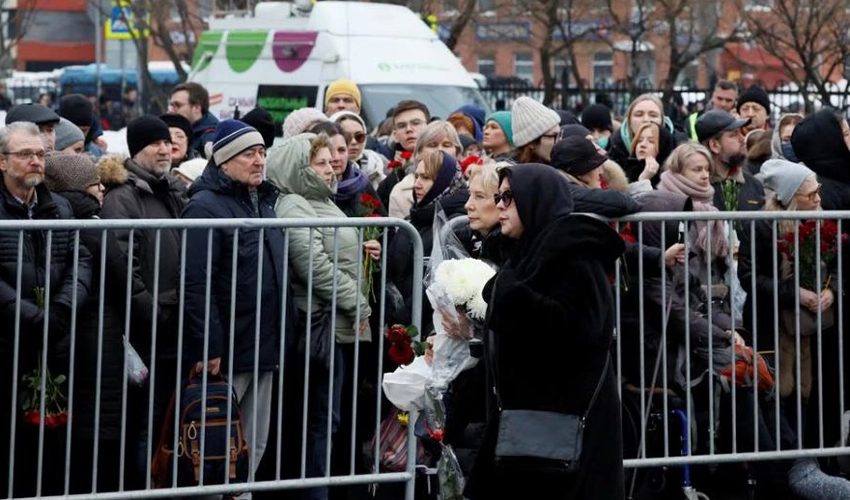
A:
291,49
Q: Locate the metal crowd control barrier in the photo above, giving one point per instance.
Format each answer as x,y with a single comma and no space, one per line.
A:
52,452
654,388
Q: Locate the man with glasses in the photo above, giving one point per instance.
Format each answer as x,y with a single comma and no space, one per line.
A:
145,191
409,119
33,301
44,118
192,100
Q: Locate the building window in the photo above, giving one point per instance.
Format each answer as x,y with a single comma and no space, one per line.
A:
603,69
562,73
524,66
487,66
486,5
758,4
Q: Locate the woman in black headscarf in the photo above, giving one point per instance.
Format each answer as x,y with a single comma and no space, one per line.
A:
822,142
551,314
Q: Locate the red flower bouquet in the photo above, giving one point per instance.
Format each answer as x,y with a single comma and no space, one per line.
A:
403,348
368,206
809,249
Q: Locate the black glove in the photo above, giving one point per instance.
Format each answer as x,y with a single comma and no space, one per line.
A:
60,322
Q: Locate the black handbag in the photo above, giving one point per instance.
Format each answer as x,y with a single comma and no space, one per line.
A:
321,337
536,441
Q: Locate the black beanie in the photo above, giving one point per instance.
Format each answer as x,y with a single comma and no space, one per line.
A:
261,120
756,95
77,109
598,117
178,121
144,131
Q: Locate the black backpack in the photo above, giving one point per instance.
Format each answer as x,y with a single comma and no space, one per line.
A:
220,440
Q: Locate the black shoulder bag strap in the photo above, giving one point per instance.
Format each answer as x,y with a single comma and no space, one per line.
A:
492,363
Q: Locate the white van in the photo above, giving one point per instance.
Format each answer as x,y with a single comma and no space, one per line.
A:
283,57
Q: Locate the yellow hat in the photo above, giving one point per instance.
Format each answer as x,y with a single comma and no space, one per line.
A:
342,87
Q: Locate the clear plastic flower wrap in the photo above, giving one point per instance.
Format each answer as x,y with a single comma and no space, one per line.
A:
137,371
454,282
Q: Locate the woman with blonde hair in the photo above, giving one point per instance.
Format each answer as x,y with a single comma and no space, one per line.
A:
437,136
646,108
688,172
481,236
642,162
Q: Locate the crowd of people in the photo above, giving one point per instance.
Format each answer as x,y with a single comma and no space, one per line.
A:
530,181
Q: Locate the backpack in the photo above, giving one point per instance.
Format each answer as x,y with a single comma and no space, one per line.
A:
220,443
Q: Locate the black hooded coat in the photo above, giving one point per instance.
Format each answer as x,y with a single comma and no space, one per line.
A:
551,313
819,144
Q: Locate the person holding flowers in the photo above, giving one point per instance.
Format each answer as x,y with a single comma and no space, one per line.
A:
793,187
438,182
324,266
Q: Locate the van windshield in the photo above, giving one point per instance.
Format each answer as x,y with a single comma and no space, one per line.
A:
440,99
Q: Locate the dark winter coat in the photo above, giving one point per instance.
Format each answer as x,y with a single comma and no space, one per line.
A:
605,203
819,144
89,343
400,254
216,196
134,193
490,247
35,252
203,131
551,313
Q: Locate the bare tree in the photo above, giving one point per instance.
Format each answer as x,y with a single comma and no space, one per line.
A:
809,37
157,21
14,28
466,12
558,28
692,28
632,24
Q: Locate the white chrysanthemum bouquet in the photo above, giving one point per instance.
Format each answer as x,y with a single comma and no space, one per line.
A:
461,281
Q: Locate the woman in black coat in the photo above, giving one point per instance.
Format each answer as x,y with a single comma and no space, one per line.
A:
551,314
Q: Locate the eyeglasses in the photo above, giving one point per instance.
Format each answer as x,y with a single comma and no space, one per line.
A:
26,154
177,104
358,137
813,196
412,124
506,198
554,136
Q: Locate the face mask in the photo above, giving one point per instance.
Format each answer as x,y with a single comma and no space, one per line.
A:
788,152
602,142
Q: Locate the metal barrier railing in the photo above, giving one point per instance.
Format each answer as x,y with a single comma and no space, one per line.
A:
99,279
683,378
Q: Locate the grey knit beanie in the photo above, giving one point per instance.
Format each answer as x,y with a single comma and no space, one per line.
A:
70,172
530,120
784,178
67,134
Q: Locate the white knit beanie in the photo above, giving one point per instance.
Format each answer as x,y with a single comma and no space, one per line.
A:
301,120
530,120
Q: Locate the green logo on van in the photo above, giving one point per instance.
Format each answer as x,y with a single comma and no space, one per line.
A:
243,48
385,66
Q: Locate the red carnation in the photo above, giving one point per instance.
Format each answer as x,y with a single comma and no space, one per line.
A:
401,353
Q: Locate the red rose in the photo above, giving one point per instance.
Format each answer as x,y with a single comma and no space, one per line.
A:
32,417
401,354
393,165
398,334
62,418
829,230
789,237
438,435
824,247
407,155
50,422
374,215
